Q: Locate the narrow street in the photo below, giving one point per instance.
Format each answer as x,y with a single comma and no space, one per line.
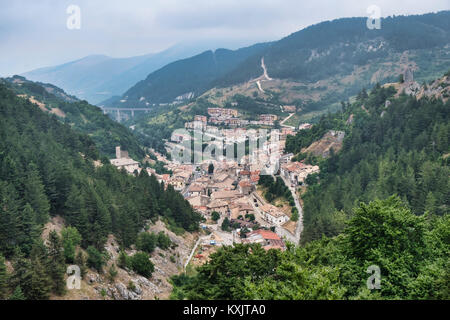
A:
299,227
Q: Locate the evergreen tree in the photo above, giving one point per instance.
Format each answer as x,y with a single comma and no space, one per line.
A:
56,267
40,281
80,261
28,231
71,238
18,294
34,194
22,274
3,279
8,218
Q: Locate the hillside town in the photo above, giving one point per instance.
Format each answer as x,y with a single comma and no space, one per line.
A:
226,191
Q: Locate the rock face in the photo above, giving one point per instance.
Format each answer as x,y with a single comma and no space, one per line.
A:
322,148
125,294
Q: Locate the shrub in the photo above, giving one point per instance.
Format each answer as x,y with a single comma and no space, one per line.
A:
95,259
146,242
142,265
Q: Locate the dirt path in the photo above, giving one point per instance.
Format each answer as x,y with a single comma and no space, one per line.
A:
287,118
263,77
263,65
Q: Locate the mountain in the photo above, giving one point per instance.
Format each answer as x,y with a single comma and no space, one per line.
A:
96,78
80,115
314,68
48,170
186,79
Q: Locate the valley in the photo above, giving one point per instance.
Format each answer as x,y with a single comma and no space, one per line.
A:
283,170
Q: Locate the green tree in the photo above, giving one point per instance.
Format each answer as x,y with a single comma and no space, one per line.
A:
142,265
28,231
95,259
226,224
215,216
164,241
34,194
17,294
80,261
112,272
146,242
56,267
3,279
71,238
40,282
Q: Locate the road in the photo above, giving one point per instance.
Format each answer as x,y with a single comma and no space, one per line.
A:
282,232
287,118
263,77
299,227
263,65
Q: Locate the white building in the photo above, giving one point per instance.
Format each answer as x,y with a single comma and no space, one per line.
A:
123,161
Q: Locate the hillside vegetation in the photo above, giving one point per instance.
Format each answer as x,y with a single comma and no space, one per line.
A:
80,115
47,169
382,200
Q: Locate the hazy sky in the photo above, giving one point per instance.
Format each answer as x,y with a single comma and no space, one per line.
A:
34,33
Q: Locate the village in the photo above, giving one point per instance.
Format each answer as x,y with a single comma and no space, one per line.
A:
225,191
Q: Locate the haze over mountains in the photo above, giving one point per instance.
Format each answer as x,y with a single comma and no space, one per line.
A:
320,64
342,54
99,77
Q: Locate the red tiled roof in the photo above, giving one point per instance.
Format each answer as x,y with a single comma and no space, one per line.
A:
268,235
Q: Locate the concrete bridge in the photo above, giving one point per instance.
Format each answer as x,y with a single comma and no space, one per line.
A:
117,111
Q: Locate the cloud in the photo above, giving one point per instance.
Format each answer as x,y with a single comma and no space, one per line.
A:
34,34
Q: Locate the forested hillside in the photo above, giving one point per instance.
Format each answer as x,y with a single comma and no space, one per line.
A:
382,200
336,47
402,149
411,251
48,169
193,75
80,115
313,69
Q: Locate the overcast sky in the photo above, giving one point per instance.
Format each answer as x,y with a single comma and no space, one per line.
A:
34,33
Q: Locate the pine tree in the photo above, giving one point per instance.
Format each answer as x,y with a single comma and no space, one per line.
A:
3,279
40,282
28,231
18,294
57,266
34,194
8,218
71,238
80,261
22,274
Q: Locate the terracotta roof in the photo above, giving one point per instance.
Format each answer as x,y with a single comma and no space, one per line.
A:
196,188
245,183
267,235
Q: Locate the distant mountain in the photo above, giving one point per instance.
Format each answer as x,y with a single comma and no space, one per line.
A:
80,115
187,78
338,46
314,68
98,77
